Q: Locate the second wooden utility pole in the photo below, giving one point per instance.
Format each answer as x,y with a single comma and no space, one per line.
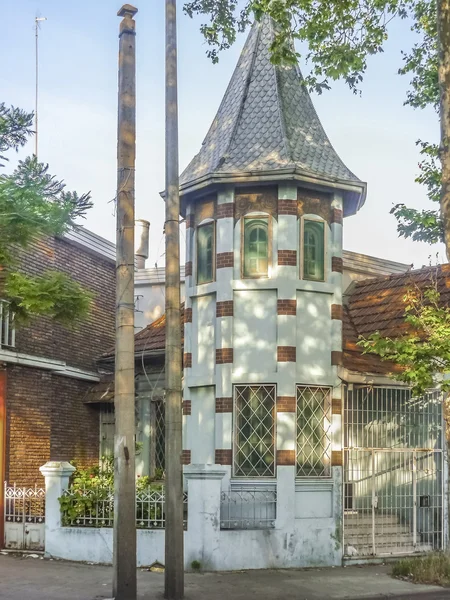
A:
124,584
174,554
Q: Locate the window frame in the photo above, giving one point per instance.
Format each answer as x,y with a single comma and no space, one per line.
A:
235,433
257,217
205,223
316,219
328,414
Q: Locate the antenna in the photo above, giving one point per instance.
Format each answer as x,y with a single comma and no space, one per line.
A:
37,21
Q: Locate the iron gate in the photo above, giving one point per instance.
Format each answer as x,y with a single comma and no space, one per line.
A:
24,518
393,484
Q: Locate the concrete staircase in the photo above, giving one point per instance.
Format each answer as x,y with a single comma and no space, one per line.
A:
391,536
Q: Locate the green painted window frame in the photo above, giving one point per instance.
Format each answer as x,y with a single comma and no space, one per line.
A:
256,252
206,250
313,250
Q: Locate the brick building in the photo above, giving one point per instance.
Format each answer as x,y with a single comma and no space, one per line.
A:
46,368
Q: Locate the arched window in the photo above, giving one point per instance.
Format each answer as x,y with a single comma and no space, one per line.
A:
256,247
313,250
205,253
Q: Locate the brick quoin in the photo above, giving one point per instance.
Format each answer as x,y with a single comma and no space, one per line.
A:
223,456
337,312
337,265
336,458
187,360
188,315
188,268
190,221
187,406
225,259
286,353
287,207
185,457
287,307
287,258
224,211
285,458
336,358
286,404
224,308
224,356
336,406
337,216
224,405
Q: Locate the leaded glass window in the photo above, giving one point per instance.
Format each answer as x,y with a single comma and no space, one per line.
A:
314,250
205,253
256,247
313,431
254,431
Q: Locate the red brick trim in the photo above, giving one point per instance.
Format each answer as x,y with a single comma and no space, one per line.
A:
224,356
287,258
286,353
190,221
188,315
223,456
287,207
337,312
224,308
286,404
336,358
188,268
337,216
224,211
187,360
336,458
224,405
285,458
287,307
187,406
337,264
225,259
185,457
336,406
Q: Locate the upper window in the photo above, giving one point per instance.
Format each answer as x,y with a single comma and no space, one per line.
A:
205,253
313,250
256,247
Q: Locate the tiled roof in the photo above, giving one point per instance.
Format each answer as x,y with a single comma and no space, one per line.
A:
266,122
377,305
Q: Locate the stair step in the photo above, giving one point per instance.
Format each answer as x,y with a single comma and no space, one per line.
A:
392,539
366,528
366,518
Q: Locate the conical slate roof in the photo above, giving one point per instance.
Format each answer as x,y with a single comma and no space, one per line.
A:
267,124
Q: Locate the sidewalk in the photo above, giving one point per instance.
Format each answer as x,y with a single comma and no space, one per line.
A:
38,579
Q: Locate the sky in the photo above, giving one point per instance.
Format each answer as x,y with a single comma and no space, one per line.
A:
373,133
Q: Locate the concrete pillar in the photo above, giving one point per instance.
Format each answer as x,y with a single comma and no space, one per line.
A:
203,534
285,499
57,475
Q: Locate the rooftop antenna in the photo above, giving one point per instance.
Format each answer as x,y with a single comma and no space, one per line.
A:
37,21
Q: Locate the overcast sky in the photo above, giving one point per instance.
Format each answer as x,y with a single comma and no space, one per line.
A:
374,134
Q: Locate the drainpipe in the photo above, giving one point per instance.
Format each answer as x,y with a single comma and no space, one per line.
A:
2,452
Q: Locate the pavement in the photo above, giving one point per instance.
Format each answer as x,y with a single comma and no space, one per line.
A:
28,578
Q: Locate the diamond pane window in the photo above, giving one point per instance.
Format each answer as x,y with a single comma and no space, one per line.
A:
254,435
205,253
313,250
313,432
160,430
256,247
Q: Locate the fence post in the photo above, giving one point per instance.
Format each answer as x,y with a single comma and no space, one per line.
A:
203,534
57,475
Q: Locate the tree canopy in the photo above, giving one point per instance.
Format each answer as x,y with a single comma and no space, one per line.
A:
33,204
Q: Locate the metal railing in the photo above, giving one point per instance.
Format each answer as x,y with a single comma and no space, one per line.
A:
95,508
7,330
248,509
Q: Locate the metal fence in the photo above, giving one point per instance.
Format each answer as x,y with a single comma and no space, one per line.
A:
95,508
24,518
253,508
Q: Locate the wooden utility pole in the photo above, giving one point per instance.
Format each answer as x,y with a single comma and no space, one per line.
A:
174,555
124,584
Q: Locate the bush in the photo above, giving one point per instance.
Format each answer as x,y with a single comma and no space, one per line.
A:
433,569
